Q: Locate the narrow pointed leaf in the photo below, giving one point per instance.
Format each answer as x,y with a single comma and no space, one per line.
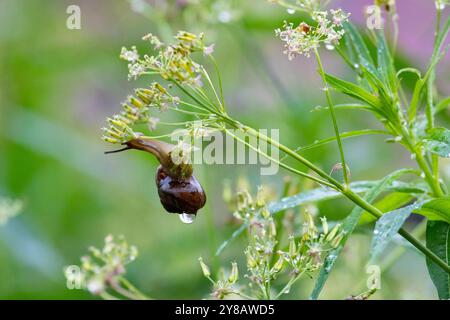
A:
348,227
353,90
436,209
438,142
387,227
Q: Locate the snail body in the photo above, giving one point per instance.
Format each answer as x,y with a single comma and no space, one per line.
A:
178,189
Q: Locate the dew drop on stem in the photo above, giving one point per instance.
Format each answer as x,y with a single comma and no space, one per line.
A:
337,172
187,218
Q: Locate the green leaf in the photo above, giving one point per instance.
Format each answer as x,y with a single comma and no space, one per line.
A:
322,193
346,106
438,241
387,227
357,42
436,209
438,142
442,105
343,135
390,202
348,226
385,62
353,90
409,70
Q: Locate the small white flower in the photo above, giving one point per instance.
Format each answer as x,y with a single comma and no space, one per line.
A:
305,38
207,50
129,55
96,286
135,70
152,122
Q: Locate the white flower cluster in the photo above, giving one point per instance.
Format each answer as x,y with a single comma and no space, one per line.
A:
302,39
136,110
104,267
172,62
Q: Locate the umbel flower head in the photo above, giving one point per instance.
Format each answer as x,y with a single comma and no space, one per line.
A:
178,189
103,268
171,61
304,38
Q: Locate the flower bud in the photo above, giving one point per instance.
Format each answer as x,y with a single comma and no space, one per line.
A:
278,265
205,268
337,240
251,262
292,247
333,232
234,274
324,225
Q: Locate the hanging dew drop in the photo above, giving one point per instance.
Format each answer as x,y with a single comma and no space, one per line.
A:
440,5
187,218
337,172
329,46
290,11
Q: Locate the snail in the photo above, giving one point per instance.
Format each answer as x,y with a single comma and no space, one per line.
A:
178,189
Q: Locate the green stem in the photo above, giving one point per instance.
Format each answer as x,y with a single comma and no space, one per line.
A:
354,198
289,285
133,289
333,116
415,242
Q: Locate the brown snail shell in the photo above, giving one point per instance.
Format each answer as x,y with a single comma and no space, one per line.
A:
179,191
184,195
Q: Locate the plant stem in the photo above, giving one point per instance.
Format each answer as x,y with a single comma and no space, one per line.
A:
353,197
289,285
133,289
333,116
415,242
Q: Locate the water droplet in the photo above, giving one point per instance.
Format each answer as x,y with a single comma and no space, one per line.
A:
440,5
398,138
329,46
376,232
187,218
290,11
356,66
337,172
422,175
412,156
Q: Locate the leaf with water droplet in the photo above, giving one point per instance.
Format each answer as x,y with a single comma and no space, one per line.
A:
387,227
436,209
438,142
337,172
349,225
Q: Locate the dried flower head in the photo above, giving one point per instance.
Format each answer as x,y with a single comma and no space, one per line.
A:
103,268
136,110
302,39
172,62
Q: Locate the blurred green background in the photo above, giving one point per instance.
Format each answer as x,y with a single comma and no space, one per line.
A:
58,85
